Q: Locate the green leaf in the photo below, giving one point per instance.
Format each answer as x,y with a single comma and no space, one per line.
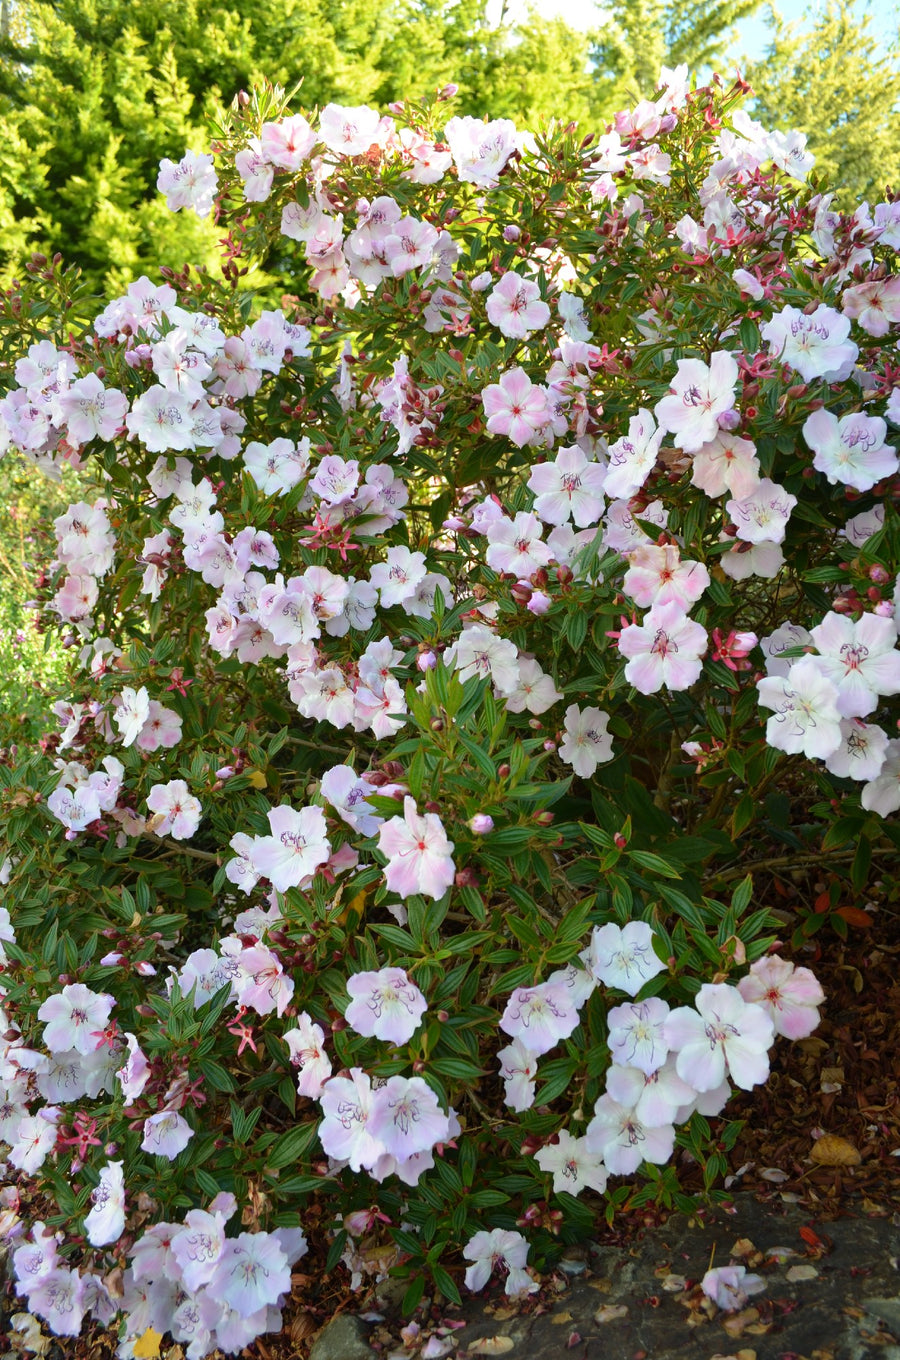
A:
645,859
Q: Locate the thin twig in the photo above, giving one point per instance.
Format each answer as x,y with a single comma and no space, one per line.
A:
823,857
188,850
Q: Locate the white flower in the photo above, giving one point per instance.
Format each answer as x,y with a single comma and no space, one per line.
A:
637,1034
622,957
504,1247
699,394
518,1068
724,1034
573,1164
131,713
539,1017
850,451
618,1135
480,652
817,345
633,457
861,753
882,795
297,846
106,1221
384,1005
860,659
535,690
166,1134
75,1018
806,716
569,487
587,742
763,515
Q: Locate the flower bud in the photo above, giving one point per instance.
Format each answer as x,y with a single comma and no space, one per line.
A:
879,575
511,232
481,823
544,818
426,661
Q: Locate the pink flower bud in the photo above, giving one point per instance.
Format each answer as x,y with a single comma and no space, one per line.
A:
884,609
511,232
481,823
426,661
729,420
539,603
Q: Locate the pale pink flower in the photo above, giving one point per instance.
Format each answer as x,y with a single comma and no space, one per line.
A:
480,150
418,853
92,411
162,728
347,1105
622,957
875,305
633,457
251,1273
573,1165
730,1287
850,451
789,995
515,307
34,1139
724,1034
499,1247
287,143
516,407
196,1248
75,808
515,546
699,394
726,463
262,984
859,658
666,649
161,420
587,742
406,1117
539,1017
176,811
297,846
657,576
816,345
385,1005
59,1298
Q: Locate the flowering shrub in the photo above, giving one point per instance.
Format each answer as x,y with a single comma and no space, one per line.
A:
446,636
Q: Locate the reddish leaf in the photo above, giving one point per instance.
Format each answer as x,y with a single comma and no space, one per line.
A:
854,916
823,902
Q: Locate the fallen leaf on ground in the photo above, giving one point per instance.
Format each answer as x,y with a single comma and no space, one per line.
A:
610,1312
804,1272
559,1319
832,1150
735,1324
492,1345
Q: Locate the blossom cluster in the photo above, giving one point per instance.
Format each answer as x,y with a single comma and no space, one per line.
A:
429,630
